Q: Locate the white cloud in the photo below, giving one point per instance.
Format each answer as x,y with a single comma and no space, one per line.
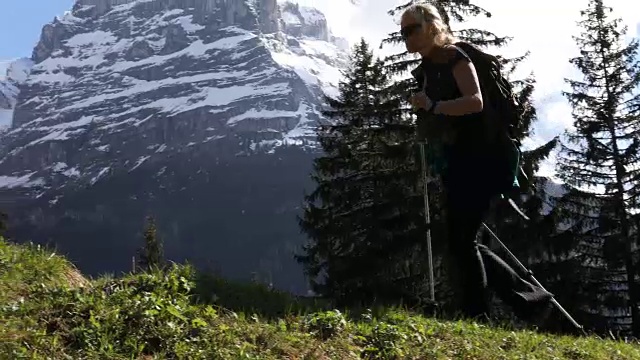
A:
545,28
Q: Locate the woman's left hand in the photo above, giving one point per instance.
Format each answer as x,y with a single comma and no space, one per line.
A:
420,101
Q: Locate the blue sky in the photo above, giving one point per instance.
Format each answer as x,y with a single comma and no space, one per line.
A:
21,22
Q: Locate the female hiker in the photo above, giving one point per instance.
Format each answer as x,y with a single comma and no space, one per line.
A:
451,101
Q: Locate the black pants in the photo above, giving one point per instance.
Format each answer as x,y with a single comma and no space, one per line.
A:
474,268
464,213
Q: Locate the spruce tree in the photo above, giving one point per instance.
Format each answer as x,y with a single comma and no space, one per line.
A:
351,217
3,222
600,157
588,285
151,254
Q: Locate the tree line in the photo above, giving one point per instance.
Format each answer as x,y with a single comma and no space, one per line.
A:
365,217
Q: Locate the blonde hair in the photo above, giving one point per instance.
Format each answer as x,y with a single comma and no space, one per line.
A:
429,14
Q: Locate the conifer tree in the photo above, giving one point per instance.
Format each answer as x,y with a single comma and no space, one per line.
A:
151,254
356,235
600,158
3,222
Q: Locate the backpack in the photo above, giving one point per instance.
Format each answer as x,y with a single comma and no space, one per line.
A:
503,115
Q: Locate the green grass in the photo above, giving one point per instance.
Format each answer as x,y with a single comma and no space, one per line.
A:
49,311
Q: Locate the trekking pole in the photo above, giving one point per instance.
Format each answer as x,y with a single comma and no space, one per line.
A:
536,282
427,218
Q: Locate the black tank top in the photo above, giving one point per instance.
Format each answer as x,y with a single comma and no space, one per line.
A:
440,85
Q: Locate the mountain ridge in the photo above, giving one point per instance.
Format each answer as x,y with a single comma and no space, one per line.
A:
12,74
200,113
131,69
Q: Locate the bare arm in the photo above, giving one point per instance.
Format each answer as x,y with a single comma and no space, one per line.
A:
471,100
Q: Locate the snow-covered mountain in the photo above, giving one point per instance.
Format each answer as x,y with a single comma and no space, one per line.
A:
12,74
139,78
139,104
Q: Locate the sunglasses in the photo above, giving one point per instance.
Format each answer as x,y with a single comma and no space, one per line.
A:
408,30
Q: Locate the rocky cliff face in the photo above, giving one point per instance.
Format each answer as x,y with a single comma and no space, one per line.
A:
198,111
12,74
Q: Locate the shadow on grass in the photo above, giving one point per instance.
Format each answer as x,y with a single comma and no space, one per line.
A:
252,298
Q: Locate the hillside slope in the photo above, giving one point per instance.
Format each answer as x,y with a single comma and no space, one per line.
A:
50,311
